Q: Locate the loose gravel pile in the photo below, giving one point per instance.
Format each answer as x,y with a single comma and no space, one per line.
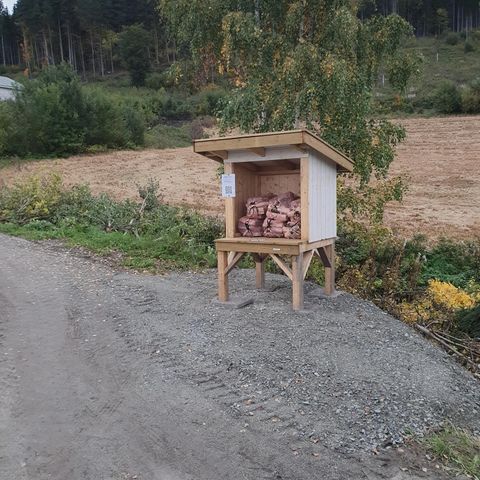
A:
343,374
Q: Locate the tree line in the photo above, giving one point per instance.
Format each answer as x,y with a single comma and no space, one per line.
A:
428,17
85,33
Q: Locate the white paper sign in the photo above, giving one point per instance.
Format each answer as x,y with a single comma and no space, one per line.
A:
228,185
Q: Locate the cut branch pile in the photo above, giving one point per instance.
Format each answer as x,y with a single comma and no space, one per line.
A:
466,350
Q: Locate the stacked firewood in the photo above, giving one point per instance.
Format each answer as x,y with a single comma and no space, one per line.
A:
272,216
251,225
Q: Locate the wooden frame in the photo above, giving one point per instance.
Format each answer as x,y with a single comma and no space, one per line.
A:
300,253
296,161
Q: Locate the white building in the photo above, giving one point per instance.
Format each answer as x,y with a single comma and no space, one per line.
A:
7,88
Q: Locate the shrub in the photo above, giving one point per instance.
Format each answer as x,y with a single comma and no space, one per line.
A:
35,199
105,122
55,115
147,229
155,81
469,322
134,124
51,113
451,39
208,101
471,97
457,263
5,126
447,98
475,34
468,47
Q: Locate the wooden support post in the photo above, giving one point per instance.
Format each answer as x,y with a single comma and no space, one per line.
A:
297,281
259,270
222,276
330,270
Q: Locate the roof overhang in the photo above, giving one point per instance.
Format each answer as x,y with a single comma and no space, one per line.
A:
218,148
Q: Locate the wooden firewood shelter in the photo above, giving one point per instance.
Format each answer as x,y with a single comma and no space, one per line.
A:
296,161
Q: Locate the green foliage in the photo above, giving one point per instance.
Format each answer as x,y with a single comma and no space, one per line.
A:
112,123
451,39
155,81
297,63
133,46
447,98
149,233
377,265
36,199
468,47
471,97
48,115
165,136
401,68
469,322
454,262
55,115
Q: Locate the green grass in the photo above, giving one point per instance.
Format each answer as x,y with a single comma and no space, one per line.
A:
146,252
458,449
165,136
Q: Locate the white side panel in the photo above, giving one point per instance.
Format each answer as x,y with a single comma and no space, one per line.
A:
6,94
323,198
271,153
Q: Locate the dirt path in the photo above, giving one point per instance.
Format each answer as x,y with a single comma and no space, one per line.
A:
441,157
112,375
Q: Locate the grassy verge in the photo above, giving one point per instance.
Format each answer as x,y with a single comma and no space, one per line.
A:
457,449
146,253
144,235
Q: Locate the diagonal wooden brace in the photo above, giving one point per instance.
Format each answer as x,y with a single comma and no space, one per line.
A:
284,267
233,261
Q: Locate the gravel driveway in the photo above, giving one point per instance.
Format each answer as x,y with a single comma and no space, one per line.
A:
113,375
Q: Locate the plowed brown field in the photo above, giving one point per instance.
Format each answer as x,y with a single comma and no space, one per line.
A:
441,157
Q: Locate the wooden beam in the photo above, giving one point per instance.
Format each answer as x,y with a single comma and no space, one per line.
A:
324,257
302,147
297,282
223,154
268,171
231,264
259,270
330,271
247,166
222,277
307,259
244,142
305,195
260,151
283,266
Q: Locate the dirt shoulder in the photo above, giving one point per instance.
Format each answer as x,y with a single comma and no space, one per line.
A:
108,374
440,157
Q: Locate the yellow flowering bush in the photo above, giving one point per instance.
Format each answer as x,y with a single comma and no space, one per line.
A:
440,301
448,296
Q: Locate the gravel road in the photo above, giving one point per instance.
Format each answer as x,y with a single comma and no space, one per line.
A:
112,375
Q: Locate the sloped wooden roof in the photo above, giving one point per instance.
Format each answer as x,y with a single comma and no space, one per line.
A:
218,148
